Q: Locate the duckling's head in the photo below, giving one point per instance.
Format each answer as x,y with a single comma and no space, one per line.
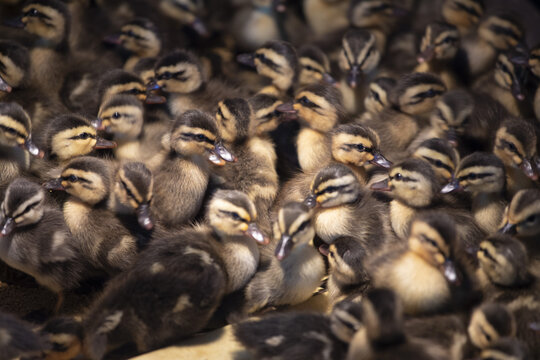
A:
412,182
139,36
121,115
383,317
358,55
508,348
317,105
144,68
22,205
377,97
14,65
276,60
511,75
440,42
314,66
500,31
515,145
503,260
86,178
451,114
432,236
522,215
442,157
186,12
16,127
417,93
478,172
335,185
463,14
534,60
356,145
235,120
346,319
123,82
196,133
69,136
265,113
489,323
293,227
134,189
47,19
178,72
383,14
232,213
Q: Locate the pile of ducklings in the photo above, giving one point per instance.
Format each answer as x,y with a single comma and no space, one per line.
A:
191,164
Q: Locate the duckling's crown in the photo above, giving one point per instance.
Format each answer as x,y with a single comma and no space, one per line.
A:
143,23
176,57
415,79
440,146
64,122
315,54
17,53
238,199
284,49
481,159
418,166
526,199
502,31
21,192
196,119
440,222
117,77
329,173
16,113
240,111
122,100
457,100
90,164
263,101
438,27
356,130
327,92
140,177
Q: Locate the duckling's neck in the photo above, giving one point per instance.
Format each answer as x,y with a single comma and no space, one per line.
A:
331,223
488,209
312,149
401,216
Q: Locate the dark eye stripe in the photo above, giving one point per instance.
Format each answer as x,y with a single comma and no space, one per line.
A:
368,53
504,31
475,176
434,162
133,35
192,136
2,67
9,129
130,194
28,208
468,9
301,228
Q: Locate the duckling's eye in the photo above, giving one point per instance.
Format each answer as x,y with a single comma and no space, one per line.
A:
306,102
72,178
438,163
200,137
235,216
302,226
84,136
448,40
134,92
11,130
360,147
332,254
32,13
375,95
166,75
331,189
531,219
472,176
398,177
511,147
116,115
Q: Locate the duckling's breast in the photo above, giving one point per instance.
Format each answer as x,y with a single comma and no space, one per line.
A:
312,149
333,223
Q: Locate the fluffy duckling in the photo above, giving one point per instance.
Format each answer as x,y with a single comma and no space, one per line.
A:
412,100
180,75
297,335
432,243
442,157
489,323
297,269
276,61
254,171
314,66
35,239
18,338
15,138
383,336
358,58
482,174
438,53
463,14
515,144
181,178
64,335
377,97
522,219
343,208
140,38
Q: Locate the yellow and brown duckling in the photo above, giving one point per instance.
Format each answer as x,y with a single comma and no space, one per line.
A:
297,269
377,98
516,145
442,157
425,274
438,51
482,174
489,323
302,334
314,66
463,14
383,336
181,179
18,338
35,239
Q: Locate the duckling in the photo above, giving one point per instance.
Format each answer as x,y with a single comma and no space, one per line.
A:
438,53
463,14
495,33
522,219
140,38
182,278
297,269
383,336
15,138
314,66
65,337
276,61
482,174
35,239
302,335
344,209
442,157
123,116
515,144
506,84
254,171
348,277
506,349
179,74
412,101
377,97
431,250
358,58
489,323
18,338
181,179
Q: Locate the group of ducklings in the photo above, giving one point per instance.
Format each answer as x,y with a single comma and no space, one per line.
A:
206,171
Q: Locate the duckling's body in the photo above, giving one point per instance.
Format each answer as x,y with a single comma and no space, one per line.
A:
18,338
